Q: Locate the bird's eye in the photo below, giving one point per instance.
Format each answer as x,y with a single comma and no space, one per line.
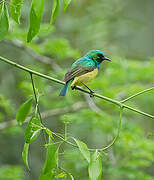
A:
100,55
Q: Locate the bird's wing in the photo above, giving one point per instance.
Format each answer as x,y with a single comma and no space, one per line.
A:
80,67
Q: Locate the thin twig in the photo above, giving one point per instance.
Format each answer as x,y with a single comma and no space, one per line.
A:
37,106
116,137
64,139
78,88
137,94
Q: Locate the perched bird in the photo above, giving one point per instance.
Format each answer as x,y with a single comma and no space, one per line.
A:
83,71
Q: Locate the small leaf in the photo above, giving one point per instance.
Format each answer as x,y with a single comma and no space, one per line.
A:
62,175
55,10
66,4
36,13
24,111
95,167
4,20
33,129
50,162
84,149
15,9
49,133
25,154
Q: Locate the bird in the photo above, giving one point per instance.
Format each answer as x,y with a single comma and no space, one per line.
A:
83,71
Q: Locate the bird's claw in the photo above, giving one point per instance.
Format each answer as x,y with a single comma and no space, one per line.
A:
91,93
73,87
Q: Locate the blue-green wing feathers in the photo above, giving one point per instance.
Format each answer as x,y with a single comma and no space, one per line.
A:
80,67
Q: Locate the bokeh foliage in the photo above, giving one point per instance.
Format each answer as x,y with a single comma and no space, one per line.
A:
85,25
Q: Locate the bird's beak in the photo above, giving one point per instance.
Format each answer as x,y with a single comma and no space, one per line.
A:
106,58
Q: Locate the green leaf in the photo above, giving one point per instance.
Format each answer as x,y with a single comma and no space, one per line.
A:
62,175
15,9
95,167
55,10
25,154
49,133
84,149
24,111
4,20
50,162
36,13
33,129
66,4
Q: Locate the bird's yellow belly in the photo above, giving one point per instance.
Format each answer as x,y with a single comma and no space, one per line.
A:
85,78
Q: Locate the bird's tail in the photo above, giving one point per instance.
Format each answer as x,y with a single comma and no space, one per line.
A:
64,90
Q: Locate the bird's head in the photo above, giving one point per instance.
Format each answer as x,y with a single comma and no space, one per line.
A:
97,56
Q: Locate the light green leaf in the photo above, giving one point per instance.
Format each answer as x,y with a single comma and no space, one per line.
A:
62,175
50,162
4,20
15,9
25,154
95,167
24,111
36,13
55,10
33,129
49,133
84,149
66,4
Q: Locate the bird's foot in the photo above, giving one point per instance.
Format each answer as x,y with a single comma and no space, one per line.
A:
73,87
91,93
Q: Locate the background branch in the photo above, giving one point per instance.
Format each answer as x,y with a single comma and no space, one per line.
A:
47,114
35,55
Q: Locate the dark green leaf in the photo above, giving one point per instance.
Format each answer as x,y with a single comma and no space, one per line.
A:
84,149
66,4
55,10
33,129
36,13
15,9
95,167
24,111
50,163
25,154
4,20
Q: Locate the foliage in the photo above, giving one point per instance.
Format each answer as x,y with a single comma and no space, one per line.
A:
93,126
11,172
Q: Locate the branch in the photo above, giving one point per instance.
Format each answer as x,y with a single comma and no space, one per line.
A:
41,58
78,88
46,114
91,104
137,94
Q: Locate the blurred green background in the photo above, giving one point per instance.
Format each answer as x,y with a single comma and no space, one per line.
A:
124,31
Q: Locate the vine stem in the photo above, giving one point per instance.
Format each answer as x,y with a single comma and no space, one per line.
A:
137,94
118,133
37,105
120,104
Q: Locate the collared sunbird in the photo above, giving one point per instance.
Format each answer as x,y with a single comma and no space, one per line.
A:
84,70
